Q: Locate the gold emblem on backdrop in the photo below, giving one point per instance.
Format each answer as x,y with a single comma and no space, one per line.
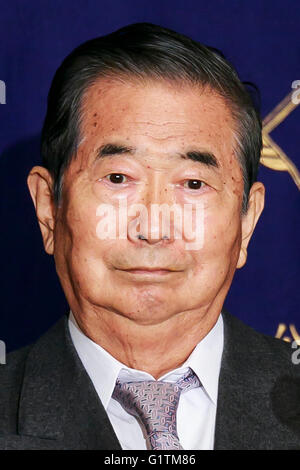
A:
272,156
287,334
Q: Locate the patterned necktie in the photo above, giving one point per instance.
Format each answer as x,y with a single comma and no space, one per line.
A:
155,403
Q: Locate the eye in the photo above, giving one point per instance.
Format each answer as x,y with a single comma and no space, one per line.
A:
116,178
194,184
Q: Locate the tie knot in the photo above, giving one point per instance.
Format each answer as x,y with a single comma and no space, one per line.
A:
155,403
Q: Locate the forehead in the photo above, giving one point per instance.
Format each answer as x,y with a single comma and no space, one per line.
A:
156,116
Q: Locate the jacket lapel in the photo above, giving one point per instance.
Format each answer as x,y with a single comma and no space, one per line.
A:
58,400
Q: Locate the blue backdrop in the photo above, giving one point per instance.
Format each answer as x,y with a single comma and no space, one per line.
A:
261,38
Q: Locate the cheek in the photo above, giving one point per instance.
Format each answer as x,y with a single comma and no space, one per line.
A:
78,233
220,235
215,263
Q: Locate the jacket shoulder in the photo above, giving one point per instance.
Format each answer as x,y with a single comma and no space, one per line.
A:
259,389
261,352
12,373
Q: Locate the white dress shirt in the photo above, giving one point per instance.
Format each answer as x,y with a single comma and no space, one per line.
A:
196,413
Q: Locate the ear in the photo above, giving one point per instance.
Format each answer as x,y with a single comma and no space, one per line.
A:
39,182
256,204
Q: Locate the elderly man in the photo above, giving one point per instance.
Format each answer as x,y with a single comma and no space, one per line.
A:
147,358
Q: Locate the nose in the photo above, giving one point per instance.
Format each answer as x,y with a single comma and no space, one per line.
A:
153,223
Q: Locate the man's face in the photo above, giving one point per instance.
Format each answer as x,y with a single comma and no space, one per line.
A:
159,124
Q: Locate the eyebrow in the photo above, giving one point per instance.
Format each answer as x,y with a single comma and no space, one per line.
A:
108,150
206,158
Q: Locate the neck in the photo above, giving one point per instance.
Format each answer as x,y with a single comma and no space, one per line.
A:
156,348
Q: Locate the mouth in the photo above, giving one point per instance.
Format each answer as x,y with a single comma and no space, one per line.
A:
144,270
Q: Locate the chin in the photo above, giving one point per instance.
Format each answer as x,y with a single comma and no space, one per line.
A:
148,317
149,308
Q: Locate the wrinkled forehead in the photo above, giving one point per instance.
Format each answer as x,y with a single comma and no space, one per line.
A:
156,117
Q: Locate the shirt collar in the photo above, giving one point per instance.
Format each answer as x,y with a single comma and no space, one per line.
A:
104,369
205,359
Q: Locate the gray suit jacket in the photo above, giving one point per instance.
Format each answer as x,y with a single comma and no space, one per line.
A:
47,400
